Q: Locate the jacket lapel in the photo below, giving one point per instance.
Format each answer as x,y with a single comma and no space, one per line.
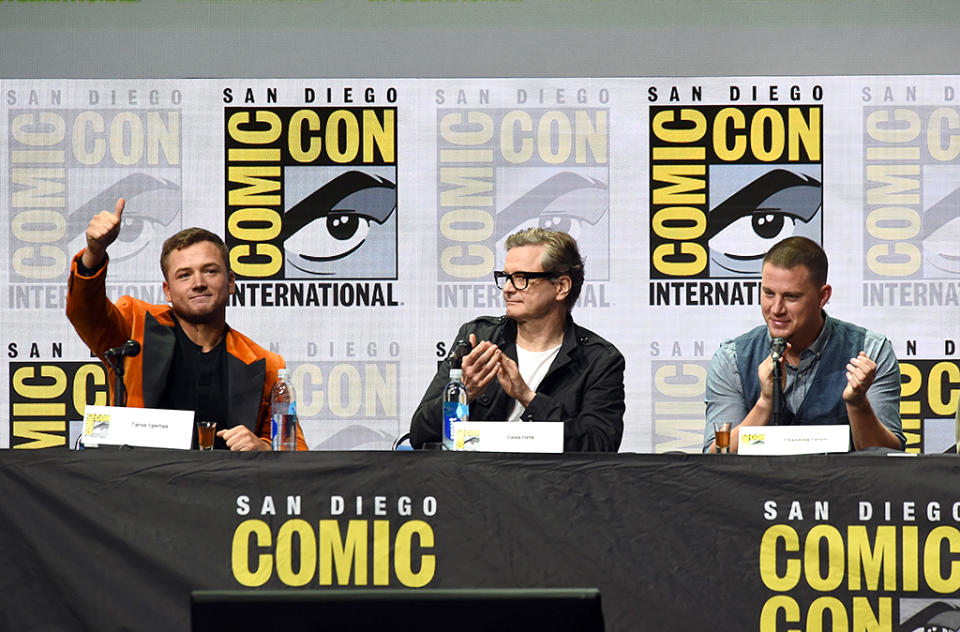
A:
158,344
244,387
566,347
495,398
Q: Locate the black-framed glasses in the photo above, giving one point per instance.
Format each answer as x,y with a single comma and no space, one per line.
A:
520,280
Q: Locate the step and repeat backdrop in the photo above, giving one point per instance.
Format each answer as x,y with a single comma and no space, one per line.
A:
674,188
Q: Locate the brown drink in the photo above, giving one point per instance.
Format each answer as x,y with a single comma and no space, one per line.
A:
723,440
721,434
206,432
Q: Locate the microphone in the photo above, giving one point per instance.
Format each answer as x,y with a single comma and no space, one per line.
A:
114,357
130,349
460,349
777,347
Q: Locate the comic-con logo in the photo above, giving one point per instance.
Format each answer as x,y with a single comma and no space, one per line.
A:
46,396
349,404
504,170
855,573
676,400
929,395
911,189
726,184
311,192
372,539
65,165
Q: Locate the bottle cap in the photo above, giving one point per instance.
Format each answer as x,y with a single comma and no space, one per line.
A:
283,374
456,373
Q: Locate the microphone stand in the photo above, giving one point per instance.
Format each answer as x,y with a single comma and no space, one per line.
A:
777,390
115,358
119,388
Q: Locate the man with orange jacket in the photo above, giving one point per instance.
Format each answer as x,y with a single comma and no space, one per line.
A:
191,359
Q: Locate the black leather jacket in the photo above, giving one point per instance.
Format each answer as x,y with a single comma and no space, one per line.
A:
583,388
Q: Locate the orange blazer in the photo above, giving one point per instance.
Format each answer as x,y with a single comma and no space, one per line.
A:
102,325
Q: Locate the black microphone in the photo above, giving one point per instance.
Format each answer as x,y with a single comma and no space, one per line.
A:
114,357
777,347
129,349
460,349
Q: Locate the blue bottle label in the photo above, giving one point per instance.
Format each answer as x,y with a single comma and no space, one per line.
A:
453,411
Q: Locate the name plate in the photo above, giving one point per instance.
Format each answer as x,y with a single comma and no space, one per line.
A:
501,436
142,427
786,440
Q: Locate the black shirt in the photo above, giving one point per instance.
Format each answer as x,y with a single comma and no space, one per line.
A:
197,382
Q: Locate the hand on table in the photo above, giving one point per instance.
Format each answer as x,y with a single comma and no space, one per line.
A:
242,439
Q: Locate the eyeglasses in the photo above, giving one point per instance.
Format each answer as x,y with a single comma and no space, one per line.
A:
520,280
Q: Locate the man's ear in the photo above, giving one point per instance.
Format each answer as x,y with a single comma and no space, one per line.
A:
232,287
166,291
563,286
825,293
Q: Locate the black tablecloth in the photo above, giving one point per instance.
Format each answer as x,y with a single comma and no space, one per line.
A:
117,539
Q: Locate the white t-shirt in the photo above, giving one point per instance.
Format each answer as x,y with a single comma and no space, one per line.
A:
533,367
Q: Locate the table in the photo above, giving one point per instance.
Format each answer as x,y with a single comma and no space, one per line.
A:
117,539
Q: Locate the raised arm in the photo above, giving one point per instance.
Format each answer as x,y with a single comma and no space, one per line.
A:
101,232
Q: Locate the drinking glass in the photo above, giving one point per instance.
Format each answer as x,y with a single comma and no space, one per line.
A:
721,434
206,432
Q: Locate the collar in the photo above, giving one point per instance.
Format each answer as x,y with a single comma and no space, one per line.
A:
190,344
812,353
569,332
817,346
569,336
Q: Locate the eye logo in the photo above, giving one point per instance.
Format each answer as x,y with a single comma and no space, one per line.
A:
936,617
356,437
941,234
336,221
567,202
152,205
776,205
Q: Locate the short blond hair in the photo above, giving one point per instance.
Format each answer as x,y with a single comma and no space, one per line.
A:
189,237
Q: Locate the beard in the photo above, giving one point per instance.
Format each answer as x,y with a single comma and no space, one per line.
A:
203,314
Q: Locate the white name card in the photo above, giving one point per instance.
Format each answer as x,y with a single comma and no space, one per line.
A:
501,436
786,440
142,427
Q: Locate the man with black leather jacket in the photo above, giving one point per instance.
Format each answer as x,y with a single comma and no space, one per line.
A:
535,363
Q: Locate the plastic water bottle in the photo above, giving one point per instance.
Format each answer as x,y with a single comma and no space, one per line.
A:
455,406
283,413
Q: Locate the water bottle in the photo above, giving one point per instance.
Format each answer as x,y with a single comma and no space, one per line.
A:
455,406
283,413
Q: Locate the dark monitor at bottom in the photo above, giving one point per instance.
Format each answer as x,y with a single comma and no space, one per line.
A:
424,610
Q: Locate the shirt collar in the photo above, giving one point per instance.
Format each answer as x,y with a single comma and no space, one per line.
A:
184,339
821,341
817,346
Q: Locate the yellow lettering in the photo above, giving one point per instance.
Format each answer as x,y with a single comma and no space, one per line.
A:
241,553
769,554
403,554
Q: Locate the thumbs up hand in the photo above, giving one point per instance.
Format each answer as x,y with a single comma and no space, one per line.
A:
102,231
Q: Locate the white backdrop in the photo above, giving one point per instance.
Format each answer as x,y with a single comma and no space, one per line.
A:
640,170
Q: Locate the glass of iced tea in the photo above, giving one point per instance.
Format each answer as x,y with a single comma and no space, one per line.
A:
206,432
721,435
